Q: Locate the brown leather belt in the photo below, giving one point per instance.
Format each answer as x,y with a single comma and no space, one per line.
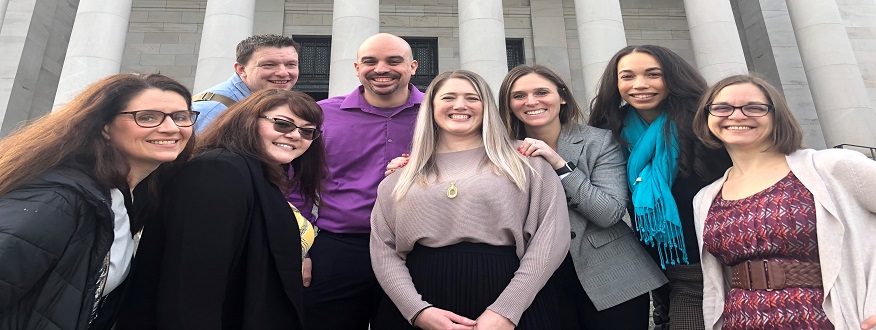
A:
774,275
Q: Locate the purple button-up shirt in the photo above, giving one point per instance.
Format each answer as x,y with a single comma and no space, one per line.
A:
359,140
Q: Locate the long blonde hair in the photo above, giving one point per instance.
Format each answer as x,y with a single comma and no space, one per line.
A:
498,144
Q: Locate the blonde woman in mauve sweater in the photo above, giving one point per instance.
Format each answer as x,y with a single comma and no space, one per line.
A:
467,234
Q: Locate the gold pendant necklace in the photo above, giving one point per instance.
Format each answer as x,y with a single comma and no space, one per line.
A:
452,191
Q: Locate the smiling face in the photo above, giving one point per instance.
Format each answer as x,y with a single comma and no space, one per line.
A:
283,148
739,131
384,67
640,83
270,67
146,148
458,110
535,101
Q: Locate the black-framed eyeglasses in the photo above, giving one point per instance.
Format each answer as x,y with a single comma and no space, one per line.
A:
749,110
284,126
154,118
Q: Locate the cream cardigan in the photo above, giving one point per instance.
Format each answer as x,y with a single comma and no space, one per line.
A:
843,185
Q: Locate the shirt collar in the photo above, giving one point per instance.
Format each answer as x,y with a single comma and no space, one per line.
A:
240,85
356,100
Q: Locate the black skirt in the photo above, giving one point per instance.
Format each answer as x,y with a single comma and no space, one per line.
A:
466,278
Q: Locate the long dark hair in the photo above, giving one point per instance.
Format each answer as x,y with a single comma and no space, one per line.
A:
569,111
237,129
684,86
72,135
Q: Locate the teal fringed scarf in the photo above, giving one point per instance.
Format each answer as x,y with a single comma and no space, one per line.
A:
651,170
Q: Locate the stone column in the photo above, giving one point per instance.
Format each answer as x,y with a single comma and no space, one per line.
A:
353,21
549,45
835,79
226,23
33,43
3,5
715,39
600,35
97,44
482,40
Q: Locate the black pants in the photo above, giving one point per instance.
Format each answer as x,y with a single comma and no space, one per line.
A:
344,292
466,278
629,315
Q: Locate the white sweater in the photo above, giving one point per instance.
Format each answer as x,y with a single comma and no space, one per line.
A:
843,185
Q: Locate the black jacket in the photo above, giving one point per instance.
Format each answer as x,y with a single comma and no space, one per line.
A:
225,253
54,235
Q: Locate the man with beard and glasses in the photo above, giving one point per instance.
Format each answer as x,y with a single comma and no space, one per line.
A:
362,132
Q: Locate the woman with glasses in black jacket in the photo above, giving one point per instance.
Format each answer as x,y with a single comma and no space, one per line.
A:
66,236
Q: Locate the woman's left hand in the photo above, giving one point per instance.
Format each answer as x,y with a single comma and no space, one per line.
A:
493,321
869,323
396,163
533,147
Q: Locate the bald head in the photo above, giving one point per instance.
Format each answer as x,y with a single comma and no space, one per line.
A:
384,65
385,40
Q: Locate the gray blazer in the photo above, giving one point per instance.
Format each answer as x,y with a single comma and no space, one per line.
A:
610,262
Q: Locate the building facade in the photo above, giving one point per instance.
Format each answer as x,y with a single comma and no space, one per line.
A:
820,53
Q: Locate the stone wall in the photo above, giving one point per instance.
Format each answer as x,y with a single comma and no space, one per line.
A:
163,36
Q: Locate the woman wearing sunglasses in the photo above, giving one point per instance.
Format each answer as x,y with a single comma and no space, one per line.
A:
786,234
226,253
66,237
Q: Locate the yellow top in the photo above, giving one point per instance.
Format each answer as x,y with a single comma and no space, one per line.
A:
305,230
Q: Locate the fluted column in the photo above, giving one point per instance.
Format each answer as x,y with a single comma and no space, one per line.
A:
97,44
715,39
482,40
600,35
226,23
353,21
844,110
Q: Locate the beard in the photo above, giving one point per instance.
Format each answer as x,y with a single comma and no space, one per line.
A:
383,90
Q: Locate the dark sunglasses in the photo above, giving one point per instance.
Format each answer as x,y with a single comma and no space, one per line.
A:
284,126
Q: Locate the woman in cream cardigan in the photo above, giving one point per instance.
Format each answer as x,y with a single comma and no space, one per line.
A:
785,234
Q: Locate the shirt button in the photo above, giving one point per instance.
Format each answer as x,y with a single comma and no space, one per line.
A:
573,234
389,140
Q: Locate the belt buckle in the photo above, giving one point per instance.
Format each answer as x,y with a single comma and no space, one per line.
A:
758,278
764,275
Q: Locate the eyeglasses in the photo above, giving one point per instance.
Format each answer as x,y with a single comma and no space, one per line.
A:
284,126
154,118
749,110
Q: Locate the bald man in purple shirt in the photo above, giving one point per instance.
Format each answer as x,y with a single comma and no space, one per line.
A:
362,132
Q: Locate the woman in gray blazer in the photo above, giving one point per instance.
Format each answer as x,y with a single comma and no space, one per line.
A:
607,274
